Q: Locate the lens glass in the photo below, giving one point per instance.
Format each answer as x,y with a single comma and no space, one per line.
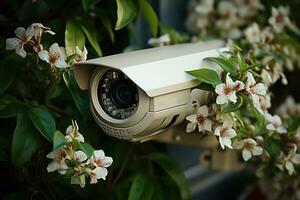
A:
118,95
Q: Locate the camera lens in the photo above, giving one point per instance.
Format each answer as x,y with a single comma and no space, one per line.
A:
118,95
122,93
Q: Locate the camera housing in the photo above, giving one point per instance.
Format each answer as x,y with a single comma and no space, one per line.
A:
138,94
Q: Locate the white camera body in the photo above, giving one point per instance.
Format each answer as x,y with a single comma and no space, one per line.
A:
138,94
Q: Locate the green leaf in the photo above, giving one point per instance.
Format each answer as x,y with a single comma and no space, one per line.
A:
272,147
293,123
8,106
87,149
150,16
90,33
231,107
173,169
223,63
25,141
126,12
241,62
58,140
87,4
43,121
107,24
206,87
55,91
80,97
206,75
74,36
142,188
7,75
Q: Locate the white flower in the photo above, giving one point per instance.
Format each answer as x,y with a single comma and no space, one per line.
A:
225,133
17,43
163,40
101,162
264,104
96,174
289,161
249,147
59,161
200,119
72,132
248,8
289,108
80,55
228,90
39,29
80,156
267,36
254,89
253,33
227,9
55,57
204,7
275,124
280,18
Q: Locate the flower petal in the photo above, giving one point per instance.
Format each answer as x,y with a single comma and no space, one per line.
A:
99,154
207,124
20,51
250,80
229,81
227,142
12,43
60,63
107,161
246,154
190,127
44,55
296,159
80,156
54,49
221,99
220,88
100,172
290,167
20,32
232,97
52,166
227,124
260,89
192,118
257,151
203,111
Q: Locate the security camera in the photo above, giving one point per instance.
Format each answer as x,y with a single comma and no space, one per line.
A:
137,94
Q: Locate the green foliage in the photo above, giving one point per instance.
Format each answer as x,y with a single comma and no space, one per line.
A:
87,149
206,75
80,97
171,167
43,121
142,188
74,36
25,141
8,106
232,107
126,13
90,33
7,75
150,16
58,140
223,63
88,3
